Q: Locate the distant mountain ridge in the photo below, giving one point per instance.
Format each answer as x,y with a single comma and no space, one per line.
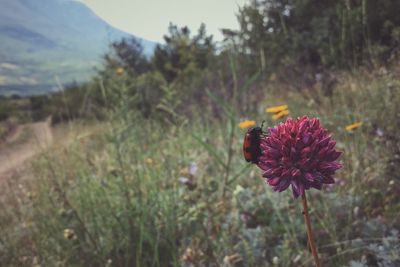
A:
44,39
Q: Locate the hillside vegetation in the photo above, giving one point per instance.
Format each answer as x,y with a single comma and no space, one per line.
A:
160,179
45,43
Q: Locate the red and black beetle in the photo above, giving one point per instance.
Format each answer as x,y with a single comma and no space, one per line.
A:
251,144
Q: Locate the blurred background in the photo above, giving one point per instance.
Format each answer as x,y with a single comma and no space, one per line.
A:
122,125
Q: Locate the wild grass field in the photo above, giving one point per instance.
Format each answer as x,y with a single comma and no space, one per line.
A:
143,165
129,191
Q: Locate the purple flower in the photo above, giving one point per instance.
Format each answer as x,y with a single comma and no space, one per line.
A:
192,168
299,153
190,173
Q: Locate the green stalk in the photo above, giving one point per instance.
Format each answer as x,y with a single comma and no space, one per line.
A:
309,231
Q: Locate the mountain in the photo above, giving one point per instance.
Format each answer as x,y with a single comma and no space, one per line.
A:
45,43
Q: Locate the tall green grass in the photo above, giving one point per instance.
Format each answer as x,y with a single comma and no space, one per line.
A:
118,189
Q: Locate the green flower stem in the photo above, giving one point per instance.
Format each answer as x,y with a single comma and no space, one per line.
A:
309,231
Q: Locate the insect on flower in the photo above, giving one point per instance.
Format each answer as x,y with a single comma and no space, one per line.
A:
251,144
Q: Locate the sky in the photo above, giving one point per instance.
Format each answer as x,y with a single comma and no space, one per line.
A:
149,19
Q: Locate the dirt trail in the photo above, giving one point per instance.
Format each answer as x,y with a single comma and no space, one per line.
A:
13,156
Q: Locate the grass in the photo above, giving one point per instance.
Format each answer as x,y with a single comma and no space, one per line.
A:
119,191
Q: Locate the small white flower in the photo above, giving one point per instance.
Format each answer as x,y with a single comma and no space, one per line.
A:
237,190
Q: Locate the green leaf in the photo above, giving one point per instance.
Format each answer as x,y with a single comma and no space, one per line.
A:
238,174
221,102
211,150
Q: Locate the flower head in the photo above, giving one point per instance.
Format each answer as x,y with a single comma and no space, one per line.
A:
276,109
69,234
189,175
120,71
299,153
246,124
280,114
280,111
353,126
193,255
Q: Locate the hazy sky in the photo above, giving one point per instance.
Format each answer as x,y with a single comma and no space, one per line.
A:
149,19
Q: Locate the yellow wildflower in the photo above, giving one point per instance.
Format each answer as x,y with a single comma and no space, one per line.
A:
69,234
246,124
280,114
119,71
276,109
149,161
353,126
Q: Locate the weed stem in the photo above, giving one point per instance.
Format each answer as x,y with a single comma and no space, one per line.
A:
309,231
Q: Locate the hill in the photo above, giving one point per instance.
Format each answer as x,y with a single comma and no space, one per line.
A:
42,41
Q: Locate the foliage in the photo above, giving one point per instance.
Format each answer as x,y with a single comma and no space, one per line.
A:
128,54
158,179
133,194
182,55
318,33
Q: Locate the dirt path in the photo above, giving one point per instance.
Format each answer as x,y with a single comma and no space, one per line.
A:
12,157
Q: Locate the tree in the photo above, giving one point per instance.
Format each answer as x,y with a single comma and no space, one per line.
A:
130,53
326,33
183,53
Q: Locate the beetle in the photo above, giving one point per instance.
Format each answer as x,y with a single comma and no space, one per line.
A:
251,144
